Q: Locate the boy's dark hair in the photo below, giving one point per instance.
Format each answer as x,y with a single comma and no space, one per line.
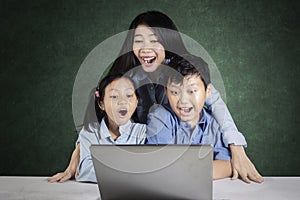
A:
189,65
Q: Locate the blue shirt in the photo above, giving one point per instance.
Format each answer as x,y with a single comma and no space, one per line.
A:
164,127
130,133
154,93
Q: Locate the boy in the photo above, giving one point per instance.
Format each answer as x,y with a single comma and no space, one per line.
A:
184,120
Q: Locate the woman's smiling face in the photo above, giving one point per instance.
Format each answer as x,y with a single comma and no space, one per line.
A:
147,48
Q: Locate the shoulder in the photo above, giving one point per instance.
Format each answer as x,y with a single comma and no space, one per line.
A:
161,116
134,129
90,128
157,108
160,111
138,127
90,132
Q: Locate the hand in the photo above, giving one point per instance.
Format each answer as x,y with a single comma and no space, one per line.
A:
241,165
72,169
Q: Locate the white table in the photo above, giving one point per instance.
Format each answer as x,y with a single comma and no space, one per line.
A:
37,188
273,188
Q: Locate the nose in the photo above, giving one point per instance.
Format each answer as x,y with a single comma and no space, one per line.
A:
183,97
145,50
146,46
122,101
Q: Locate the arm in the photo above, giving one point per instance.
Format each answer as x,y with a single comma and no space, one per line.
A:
221,164
221,169
71,170
159,130
86,172
220,112
241,165
232,138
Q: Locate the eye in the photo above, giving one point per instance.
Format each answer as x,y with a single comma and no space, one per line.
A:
138,41
173,92
154,41
192,91
113,96
129,95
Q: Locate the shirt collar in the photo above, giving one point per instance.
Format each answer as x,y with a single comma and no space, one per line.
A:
123,129
104,133
126,128
204,120
202,124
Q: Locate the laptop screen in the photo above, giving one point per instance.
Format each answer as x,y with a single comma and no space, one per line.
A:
153,171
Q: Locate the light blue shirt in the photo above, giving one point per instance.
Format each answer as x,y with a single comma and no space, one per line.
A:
164,127
130,133
220,112
214,103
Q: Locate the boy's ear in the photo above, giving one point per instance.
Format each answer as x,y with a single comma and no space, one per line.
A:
208,90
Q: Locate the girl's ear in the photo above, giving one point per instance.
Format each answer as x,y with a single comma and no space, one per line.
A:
208,90
101,105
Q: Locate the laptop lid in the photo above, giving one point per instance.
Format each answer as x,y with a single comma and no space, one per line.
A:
153,171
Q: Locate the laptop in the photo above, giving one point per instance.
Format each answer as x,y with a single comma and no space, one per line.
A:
153,171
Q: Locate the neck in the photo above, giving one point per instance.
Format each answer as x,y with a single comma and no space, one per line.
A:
113,129
154,75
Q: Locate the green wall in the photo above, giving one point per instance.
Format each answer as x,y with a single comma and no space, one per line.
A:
255,45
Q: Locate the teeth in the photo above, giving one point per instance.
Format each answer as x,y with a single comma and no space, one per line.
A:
148,59
186,109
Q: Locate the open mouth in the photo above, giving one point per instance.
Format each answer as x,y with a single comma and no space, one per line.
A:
185,110
123,112
148,59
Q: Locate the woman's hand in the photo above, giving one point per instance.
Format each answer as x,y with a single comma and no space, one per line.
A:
72,169
241,165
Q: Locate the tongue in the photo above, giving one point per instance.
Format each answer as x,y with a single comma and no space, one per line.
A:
152,60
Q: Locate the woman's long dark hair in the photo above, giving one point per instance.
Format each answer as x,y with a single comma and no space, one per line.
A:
166,32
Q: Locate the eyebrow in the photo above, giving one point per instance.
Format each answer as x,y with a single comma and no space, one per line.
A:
173,85
193,84
152,34
115,89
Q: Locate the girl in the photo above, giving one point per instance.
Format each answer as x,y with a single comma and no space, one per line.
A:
151,42
115,102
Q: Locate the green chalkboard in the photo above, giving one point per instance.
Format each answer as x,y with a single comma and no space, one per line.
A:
254,45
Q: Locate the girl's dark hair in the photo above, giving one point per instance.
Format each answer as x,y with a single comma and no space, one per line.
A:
166,32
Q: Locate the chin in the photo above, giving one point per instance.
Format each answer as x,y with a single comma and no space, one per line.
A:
150,69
